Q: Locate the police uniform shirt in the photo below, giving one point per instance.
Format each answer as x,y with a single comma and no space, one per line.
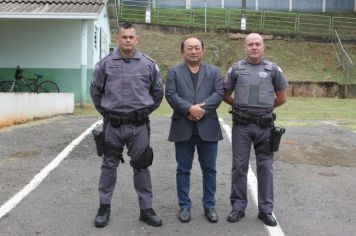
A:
254,85
131,84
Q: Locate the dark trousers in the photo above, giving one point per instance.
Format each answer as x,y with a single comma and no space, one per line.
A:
207,152
242,138
136,140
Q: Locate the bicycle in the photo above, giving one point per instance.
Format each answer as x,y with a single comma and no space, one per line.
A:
32,84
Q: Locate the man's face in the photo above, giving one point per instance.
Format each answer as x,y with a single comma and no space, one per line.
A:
127,39
193,51
254,48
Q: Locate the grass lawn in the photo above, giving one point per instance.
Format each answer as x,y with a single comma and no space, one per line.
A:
296,112
300,61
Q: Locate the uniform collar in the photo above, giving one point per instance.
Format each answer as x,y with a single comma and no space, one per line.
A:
118,56
263,61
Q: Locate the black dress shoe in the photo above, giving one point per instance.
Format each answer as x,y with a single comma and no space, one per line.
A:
102,218
211,215
150,217
267,219
184,215
235,216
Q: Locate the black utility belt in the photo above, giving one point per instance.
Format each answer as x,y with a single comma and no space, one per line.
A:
242,117
137,118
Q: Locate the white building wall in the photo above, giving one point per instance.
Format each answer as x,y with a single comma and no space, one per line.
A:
100,38
22,107
38,43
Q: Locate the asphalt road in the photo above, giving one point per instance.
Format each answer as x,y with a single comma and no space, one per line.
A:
313,196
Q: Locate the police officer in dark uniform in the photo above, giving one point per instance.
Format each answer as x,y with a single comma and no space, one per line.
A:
259,86
126,88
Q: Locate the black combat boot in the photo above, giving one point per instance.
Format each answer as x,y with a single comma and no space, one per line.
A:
102,218
150,217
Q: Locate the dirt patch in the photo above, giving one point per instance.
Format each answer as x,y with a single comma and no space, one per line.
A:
23,154
327,146
4,122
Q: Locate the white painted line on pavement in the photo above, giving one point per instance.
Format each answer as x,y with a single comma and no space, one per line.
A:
252,185
334,124
330,123
17,198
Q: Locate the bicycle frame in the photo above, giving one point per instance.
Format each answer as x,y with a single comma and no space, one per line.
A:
29,84
32,85
13,85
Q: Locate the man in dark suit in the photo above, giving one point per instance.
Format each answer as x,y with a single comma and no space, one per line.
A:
194,90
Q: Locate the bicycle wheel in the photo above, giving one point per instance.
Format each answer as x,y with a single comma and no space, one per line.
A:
47,87
9,86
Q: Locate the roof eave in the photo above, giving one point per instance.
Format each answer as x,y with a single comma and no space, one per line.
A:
86,16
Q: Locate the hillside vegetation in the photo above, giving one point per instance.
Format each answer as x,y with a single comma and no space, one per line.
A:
300,61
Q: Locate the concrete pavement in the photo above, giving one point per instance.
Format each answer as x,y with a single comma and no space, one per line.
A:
309,199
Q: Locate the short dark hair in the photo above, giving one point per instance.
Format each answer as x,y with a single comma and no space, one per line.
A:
126,25
182,44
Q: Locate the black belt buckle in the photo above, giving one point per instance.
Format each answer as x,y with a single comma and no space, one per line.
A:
258,121
267,120
115,121
241,114
125,120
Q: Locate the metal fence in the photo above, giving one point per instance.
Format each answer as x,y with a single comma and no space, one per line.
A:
166,13
345,62
270,5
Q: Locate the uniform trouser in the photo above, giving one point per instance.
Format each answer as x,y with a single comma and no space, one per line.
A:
242,138
207,152
136,139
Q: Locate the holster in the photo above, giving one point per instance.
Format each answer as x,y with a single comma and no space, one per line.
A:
144,160
276,135
99,140
271,144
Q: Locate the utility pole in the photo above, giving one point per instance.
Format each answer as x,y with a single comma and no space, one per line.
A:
205,17
188,4
243,17
148,12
